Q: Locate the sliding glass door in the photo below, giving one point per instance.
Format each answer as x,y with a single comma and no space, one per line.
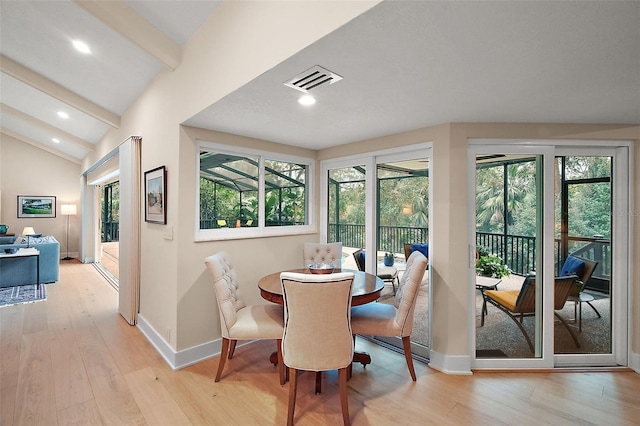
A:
555,217
378,204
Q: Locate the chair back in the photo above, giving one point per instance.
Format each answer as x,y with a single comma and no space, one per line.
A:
358,255
322,253
317,320
561,289
407,293
225,284
526,301
583,268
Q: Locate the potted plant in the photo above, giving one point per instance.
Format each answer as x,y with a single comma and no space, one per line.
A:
388,259
491,266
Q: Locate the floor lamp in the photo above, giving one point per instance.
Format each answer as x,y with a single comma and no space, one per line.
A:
68,210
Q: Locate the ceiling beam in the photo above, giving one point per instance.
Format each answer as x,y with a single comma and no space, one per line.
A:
37,144
37,81
61,134
124,20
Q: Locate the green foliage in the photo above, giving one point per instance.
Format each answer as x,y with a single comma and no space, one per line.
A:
491,266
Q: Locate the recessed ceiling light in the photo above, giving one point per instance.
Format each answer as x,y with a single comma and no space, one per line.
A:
81,46
56,140
307,100
63,114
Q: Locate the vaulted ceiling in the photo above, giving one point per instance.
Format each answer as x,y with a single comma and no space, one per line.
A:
131,42
405,65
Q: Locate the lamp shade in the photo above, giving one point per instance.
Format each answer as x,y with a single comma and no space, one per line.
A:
68,209
28,230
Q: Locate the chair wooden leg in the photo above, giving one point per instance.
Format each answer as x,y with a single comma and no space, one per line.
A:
293,387
232,349
318,382
281,373
342,379
406,343
223,357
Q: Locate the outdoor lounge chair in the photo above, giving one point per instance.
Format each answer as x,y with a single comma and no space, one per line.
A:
583,269
518,304
387,274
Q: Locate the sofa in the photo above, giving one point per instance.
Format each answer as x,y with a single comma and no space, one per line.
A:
20,271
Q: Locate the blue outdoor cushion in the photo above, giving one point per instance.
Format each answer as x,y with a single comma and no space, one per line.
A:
422,248
572,266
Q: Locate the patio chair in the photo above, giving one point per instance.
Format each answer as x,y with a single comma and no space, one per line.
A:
583,269
239,321
518,304
411,247
385,273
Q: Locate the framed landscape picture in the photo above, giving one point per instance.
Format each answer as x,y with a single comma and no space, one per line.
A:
36,206
155,194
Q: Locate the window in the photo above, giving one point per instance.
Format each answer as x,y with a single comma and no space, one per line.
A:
251,193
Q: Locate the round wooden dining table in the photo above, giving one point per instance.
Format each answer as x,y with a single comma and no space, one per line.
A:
366,288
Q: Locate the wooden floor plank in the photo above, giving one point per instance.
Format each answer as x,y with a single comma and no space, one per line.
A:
35,400
71,382
155,402
85,414
11,319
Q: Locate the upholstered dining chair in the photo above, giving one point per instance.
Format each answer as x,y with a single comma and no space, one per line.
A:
317,332
322,253
380,319
239,321
518,304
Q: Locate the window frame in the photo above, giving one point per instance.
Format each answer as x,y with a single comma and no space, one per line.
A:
261,230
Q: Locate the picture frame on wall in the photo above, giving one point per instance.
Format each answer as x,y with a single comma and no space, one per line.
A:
36,206
155,195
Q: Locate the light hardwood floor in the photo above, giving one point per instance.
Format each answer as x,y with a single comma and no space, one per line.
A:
74,360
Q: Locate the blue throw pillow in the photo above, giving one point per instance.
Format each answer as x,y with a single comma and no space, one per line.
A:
422,248
572,266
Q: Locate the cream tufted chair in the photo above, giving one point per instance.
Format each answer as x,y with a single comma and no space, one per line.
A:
322,253
237,320
317,335
380,319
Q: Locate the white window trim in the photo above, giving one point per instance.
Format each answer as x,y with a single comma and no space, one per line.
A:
260,231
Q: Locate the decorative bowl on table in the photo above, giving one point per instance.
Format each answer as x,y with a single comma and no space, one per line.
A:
11,250
321,268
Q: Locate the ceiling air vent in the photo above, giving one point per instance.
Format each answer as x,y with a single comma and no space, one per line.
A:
312,79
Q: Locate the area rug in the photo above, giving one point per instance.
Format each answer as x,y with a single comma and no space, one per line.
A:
22,294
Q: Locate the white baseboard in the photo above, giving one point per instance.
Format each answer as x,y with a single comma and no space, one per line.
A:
178,359
450,364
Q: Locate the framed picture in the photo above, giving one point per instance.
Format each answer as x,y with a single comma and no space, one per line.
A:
32,206
155,194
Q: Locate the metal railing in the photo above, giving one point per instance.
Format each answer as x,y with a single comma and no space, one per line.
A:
390,238
110,232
